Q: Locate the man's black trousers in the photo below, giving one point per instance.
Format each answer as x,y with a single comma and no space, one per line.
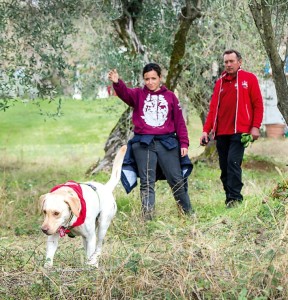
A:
231,152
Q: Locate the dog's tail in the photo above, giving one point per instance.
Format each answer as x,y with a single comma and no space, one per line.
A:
116,169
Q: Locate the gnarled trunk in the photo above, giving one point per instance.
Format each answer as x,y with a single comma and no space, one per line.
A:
261,12
119,136
189,13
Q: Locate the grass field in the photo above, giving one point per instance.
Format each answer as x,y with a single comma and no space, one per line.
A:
238,253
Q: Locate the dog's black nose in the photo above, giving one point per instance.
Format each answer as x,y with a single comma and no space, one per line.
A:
45,230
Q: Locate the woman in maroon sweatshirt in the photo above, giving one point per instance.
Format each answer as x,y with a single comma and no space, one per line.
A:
160,139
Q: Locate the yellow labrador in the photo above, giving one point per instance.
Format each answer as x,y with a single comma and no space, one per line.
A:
80,209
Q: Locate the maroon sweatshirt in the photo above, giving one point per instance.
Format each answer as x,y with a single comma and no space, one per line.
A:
154,113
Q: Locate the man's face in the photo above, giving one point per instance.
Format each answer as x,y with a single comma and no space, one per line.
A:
231,63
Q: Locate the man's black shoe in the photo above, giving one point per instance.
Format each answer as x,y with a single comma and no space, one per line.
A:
230,203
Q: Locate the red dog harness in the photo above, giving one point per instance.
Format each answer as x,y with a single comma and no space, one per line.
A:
82,216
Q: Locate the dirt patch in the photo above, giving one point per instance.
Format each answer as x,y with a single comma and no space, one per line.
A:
274,149
260,165
264,154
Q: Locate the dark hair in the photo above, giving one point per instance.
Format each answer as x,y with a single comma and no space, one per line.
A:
230,51
152,67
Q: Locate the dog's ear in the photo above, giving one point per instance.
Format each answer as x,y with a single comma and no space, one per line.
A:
74,204
41,201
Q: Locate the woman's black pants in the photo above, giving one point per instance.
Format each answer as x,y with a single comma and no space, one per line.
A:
147,157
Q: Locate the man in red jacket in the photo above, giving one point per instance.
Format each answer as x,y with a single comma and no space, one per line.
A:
236,107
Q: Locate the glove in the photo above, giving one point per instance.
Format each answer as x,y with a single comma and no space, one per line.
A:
246,138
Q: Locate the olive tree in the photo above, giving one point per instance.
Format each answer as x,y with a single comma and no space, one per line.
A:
271,20
33,49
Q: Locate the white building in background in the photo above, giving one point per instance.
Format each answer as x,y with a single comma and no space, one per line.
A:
77,94
103,92
272,114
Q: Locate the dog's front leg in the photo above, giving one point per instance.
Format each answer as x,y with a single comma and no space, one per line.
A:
101,232
90,245
52,244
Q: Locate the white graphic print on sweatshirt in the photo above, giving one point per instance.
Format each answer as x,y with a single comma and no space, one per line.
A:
155,110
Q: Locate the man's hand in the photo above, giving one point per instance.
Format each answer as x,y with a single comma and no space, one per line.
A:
113,76
255,132
204,140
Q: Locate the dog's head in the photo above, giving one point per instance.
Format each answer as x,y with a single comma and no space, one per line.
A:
57,207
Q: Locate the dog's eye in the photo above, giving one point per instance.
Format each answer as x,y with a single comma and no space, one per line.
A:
56,213
44,212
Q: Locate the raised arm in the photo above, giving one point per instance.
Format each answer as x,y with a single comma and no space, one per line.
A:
128,95
113,76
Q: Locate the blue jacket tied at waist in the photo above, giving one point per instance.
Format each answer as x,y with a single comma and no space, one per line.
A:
129,171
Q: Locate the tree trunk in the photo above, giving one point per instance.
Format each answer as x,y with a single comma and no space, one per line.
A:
261,12
125,28
119,136
189,13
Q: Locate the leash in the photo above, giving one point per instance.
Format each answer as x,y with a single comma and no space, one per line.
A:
246,139
93,188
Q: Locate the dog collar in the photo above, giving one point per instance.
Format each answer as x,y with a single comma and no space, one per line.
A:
65,229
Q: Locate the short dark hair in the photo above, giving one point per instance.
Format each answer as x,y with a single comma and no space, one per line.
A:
152,67
230,51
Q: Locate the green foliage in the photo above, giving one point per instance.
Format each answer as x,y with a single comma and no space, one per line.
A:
44,42
33,35
224,25
162,18
124,204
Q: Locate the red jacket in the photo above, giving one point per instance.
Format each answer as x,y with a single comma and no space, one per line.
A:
249,104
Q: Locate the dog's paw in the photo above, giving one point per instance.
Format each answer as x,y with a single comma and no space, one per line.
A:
93,261
48,264
93,266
